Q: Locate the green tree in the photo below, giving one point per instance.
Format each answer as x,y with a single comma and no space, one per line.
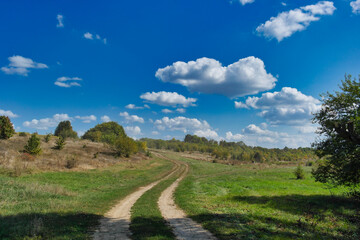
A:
299,172
106,132
33,145
125,146
65,130
6,128
60,143
339,145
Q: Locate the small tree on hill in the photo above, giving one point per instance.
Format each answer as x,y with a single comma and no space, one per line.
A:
339,146
33,145
60,143
106,132
65,130
6,128
125,146
299,172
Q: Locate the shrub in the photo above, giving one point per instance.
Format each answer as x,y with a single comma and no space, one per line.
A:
105,132
299,173
96,155
60,143
71,162
6,128
33,145
148,153
125,146
47,137
22,134
64,130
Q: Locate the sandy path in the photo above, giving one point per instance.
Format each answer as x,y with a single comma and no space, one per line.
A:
115,224
183,227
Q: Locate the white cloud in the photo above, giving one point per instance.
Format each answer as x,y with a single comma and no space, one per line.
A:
208,133
86,119
181,124
60,19
244,77
133,106
105,118
46,123
355,5
21,65
181,110
155,133
88,35
234,137
166,111
289,106
287,23
168,99
307,129
131,118
243,2
133,131
68,82
8,113
91,36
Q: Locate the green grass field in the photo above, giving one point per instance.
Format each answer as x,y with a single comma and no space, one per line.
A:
67,205
259,202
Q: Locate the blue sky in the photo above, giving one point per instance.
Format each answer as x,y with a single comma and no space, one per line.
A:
239,70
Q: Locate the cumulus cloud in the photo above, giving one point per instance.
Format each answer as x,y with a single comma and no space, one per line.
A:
105,118
234,137
68,82
244,77
208,133
155,133
8,113
86,119
60,19
131,118
91,36
289,106
287,23
168,99
133,106
46,123
133,131
181,110
355,5
166,111
21,66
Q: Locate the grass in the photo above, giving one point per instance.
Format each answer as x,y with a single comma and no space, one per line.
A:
265,202
146,220
66,205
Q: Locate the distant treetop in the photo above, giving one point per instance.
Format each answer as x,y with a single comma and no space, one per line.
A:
105,132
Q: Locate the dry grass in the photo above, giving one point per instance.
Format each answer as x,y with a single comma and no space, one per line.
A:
76,155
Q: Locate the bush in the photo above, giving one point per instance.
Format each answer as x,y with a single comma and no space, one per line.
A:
33,145
105,132
47,137
125,146
60,143
64,130
71,163
6,128
22,134
299,173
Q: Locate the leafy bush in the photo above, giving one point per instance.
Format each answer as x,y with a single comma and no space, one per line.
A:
125,146
33,145
47,137
6,128
64,130
299,173
71,162
105,132
60,143
22,134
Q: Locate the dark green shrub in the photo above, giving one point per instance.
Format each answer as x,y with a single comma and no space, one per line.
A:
6,128
47,137
125,146
33,145
105,132
96,155
22,134
84,146
309,163
148,153
64,130
60,143
299,173
71,162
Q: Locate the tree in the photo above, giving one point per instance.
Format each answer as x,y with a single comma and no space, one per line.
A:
60,143
339,145
106,132
6,128
33,145
65,130
299,173
125,146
